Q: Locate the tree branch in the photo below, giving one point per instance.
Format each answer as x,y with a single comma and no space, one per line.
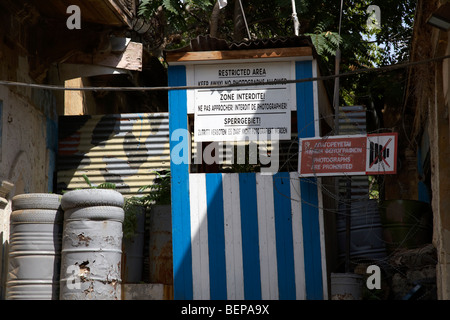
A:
214,20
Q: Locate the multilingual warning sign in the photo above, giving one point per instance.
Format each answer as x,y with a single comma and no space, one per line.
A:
243,112
348,155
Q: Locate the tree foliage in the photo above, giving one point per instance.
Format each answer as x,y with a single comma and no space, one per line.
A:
174,22
361,46
184,20
325,42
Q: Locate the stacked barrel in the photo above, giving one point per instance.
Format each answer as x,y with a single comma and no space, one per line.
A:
91,245
66,247
35,247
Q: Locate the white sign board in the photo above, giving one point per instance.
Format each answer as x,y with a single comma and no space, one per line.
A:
381,153
241,113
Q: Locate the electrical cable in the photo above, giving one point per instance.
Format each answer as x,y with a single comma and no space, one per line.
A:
224,86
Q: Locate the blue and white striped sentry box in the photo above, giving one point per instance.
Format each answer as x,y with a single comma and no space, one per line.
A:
247,235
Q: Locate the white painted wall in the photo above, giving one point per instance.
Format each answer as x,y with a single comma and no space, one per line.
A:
27,150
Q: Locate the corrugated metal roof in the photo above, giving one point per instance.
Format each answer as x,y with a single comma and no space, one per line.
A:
208,43
352,121
281,42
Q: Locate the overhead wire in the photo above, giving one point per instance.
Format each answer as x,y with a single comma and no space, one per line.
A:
224,86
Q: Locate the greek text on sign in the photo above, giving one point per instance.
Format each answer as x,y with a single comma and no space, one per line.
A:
243,112
348,155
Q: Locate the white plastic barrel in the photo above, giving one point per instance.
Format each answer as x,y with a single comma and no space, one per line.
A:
91,245
346,286
34,254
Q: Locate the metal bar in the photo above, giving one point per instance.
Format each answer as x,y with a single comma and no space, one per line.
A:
348,212
245,20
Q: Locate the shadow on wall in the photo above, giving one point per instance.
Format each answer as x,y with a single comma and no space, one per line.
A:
124,149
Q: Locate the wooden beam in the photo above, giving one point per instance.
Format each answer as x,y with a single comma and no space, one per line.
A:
237,54
121,11
113,13
53,42
71,71
129,59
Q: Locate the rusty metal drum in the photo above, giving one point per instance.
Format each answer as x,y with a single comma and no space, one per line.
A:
91,248
160,243
34,254
133,251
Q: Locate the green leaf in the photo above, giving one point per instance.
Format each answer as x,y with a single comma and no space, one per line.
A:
86,179
171,5
106,185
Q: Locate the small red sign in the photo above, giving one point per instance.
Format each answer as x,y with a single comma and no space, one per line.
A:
348,155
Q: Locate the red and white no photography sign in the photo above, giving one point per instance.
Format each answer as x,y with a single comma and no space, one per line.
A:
348,155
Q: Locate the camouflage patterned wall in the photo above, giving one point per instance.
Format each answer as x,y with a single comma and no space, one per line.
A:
124,149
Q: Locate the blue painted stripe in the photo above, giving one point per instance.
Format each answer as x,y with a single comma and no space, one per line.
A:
181,233
216,236
308,187
311,239
250,239
283,228
305,100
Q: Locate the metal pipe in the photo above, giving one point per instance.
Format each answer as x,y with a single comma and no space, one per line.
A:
336,92
336,80
245,20
348,222
294,16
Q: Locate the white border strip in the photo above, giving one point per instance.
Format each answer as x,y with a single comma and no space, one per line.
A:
297,236
233,236
237,60
267,239
199,237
